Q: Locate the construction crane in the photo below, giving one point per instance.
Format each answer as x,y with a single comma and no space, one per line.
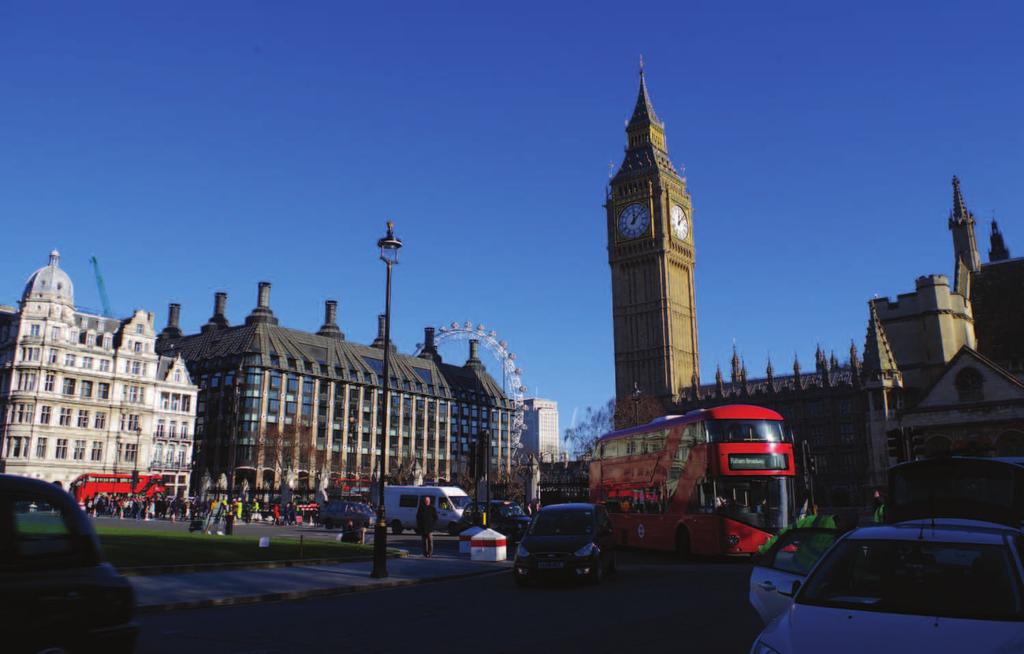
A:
101,286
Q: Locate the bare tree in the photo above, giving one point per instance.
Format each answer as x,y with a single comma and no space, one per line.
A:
595,423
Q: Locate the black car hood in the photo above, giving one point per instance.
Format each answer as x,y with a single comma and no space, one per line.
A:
554,543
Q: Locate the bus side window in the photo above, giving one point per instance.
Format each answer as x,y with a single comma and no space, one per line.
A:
704,497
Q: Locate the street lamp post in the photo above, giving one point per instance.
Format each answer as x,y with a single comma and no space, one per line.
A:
389,246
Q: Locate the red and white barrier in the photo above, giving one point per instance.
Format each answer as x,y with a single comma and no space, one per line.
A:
466,537
488,545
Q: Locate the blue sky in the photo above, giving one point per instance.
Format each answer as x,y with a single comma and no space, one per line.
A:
195,149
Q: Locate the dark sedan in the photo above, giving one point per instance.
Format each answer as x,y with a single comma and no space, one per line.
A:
505,516
337,513
569,541
57,593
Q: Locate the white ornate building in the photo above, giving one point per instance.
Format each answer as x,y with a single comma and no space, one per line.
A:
83,393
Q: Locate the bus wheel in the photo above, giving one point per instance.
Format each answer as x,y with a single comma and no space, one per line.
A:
396,527
682,544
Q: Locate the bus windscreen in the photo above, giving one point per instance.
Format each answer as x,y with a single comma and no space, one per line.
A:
746,431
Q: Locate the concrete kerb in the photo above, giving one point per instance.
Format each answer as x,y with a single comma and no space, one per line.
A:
306,594
146,570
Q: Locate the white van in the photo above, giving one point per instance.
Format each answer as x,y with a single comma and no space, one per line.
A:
401,503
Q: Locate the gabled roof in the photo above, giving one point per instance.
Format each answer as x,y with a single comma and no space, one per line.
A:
997,384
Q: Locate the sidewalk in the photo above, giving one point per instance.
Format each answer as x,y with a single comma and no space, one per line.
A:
169,592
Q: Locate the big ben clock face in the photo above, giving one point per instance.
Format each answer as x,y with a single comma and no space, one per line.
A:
634,220
680,226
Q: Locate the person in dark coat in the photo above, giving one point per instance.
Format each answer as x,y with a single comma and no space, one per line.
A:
426,521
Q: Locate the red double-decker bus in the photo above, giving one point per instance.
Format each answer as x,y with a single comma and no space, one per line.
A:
93,483
714,481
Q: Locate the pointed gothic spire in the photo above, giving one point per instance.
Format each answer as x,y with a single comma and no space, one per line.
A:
959,213
769,370
737,372
833,362
643,113
719,384
854,360
796,365
878,357
997,250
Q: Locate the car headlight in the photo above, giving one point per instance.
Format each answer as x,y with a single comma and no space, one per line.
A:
761,648
585,551
522,552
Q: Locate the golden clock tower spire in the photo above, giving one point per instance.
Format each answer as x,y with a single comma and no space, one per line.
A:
651,253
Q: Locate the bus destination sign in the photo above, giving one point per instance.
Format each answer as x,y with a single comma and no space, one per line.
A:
758,462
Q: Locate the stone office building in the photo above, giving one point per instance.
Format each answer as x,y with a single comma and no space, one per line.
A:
85,393
283,408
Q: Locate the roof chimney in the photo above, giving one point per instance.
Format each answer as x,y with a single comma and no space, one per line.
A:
474,355
330,327
379,341
262,312
218,320
429,350
172,330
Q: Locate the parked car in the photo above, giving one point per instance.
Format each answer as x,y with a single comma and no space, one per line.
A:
57,592
337,513
505,516
401,503
918,586
568,541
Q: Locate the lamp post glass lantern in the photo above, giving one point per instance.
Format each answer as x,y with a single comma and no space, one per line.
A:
389,246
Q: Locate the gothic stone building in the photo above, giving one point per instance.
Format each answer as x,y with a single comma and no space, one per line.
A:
281,407
926,383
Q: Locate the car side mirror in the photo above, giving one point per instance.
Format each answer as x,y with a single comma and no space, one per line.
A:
792,590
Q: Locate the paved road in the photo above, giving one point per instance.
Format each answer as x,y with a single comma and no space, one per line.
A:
653,604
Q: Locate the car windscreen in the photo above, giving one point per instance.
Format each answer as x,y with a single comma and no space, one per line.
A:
511,511
460,501
955,580
563,523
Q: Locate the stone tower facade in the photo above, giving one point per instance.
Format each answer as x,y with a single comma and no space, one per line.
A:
651,253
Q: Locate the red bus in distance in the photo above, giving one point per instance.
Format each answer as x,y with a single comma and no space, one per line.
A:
95,483
714,481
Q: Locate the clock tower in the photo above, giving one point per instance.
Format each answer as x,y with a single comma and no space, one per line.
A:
651,253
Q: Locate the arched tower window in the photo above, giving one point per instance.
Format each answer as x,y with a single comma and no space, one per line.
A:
968,385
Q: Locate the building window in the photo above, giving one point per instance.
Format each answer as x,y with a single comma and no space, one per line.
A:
30,353
97,451
138,329
79,452
62,448
25,413
158,451
969,385
131,451
160,428
65,417
51,356
100,421
41,448
69,387
26,381
86,388
44,415
54,335
184,430
103,391
87,363
34,329
137,347
48,384
69,360
83,419
136,367
104,365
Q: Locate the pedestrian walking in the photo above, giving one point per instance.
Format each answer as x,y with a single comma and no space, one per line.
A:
426,520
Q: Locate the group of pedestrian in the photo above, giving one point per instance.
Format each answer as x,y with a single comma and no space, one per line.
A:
138,507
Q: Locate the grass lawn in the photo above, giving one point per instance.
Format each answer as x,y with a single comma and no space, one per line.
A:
136,547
